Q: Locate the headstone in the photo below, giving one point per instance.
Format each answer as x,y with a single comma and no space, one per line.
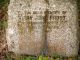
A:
35,23
25,29
62,25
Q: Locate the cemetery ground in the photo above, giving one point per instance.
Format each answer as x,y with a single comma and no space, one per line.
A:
6,55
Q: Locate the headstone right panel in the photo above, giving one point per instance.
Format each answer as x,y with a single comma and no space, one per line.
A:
62,25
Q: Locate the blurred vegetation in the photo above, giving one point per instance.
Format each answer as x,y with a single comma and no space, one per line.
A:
3,3
40,57
3,13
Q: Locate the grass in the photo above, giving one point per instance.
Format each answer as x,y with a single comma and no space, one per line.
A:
40,57
3,24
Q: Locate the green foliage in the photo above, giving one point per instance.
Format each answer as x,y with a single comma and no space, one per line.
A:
31,58
57,57
8,57
78,58
45,58
40,57
3,2
25,58
3,8
3,24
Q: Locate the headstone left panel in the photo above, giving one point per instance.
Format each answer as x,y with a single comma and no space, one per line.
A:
24,33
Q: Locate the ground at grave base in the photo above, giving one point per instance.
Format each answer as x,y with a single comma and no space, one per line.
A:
12,56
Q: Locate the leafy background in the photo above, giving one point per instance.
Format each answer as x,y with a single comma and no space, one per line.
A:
5,55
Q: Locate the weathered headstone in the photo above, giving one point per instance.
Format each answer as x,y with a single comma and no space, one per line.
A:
62,23
35,23
25,29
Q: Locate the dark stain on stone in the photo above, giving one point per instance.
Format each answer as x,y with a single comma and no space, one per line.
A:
20,4
71,46
47,1
45,47
12,45
29,23
30,26
20,27
29,3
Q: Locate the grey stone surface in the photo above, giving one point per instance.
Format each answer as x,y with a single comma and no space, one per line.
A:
35,23
62,38
25,33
